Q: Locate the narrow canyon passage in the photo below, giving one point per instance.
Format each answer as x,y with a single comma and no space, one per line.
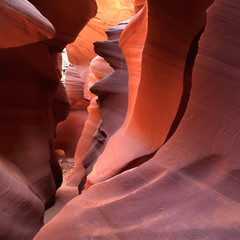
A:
119,119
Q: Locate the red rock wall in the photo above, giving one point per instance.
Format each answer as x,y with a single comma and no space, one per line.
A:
161,88
81,55
85,143
112,92
24,23
170,169
81,51
31,104
69,131
189,189
20,207
111,88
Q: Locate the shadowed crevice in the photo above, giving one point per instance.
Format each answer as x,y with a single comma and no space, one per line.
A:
187,83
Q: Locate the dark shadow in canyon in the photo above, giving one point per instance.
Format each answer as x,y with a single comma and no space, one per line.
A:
187,83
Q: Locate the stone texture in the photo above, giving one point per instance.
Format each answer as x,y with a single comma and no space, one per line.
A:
161,88
67,21
18,204
109,14
111,87
190,188
138,5
69,131
21,24
160,146
81,54
32,102
112,92
85,143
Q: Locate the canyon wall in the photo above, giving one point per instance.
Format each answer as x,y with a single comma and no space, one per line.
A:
172,170
81,54
32,103
112,93
152,110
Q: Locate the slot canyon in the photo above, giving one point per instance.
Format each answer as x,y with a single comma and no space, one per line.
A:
120,119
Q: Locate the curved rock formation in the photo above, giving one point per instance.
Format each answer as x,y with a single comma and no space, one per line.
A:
67,21
85,142
69,131
160,147
27,126
135,32
138,5
81,52
112,92
99,68
110,13
61,104
190,188
18,204
30,100
74,85
145,130
21,24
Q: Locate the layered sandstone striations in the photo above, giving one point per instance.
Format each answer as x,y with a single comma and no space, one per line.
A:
69,131
31,104
189,189
145,128
183,108
81,51
20,206
24,23
99,68
82,58
112,92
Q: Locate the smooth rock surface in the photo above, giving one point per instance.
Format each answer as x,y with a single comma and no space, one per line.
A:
21,24
32,102
161,87
112,92
190,188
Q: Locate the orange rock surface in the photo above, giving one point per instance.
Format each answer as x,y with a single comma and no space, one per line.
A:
112,92
189,189
21,24
161,88
156,151
69,131
109,14
85,142
81,54
99,68
32,103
